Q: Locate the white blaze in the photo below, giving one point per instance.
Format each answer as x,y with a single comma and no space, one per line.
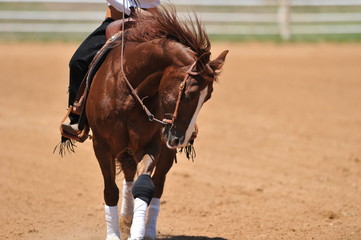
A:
190,129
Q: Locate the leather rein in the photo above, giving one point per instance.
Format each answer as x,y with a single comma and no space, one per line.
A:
151,116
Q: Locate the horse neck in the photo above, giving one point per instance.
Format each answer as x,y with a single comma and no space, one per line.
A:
149,86
146,72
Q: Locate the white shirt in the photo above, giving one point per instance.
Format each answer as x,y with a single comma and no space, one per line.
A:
118,4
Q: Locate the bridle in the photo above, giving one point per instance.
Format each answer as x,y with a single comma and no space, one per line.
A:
182,86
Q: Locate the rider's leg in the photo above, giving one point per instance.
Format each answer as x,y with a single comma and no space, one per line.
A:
79,66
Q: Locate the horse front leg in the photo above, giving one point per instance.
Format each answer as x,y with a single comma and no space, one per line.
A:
111,191
143,192
129,168
163,165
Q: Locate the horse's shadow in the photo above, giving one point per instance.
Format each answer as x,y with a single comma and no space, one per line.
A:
189,238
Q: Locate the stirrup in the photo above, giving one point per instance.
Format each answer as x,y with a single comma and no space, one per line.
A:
80,137
71,128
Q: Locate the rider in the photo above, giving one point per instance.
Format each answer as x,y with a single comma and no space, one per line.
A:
83,56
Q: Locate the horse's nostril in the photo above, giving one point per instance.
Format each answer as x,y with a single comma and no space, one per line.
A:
176,141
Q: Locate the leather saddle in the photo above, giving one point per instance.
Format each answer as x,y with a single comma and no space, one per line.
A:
113,33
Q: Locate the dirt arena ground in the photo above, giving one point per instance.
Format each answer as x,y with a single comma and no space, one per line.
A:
278,154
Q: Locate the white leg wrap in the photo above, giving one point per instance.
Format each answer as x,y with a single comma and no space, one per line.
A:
153,211
137,230
111,218
127,202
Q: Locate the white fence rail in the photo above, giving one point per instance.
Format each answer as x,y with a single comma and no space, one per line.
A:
220,17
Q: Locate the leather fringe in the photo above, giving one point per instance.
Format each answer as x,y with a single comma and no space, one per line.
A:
65,145
189,150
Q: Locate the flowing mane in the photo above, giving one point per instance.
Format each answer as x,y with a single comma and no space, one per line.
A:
164,24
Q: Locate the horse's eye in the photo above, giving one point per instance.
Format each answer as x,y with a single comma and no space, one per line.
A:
190,95
191,92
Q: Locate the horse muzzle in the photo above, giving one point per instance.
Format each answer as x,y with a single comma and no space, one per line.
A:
173,139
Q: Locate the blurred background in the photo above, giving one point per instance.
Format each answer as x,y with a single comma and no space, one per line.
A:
279,143
295,20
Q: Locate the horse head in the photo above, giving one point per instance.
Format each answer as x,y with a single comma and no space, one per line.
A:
182,104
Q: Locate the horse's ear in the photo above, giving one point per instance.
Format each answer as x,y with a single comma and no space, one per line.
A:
217,63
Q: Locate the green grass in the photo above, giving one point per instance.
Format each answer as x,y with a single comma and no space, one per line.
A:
340,38
337,38
78,37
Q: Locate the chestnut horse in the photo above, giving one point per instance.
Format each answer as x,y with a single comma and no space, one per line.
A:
168,64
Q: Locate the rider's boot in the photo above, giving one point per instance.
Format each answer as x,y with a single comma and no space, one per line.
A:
72,129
